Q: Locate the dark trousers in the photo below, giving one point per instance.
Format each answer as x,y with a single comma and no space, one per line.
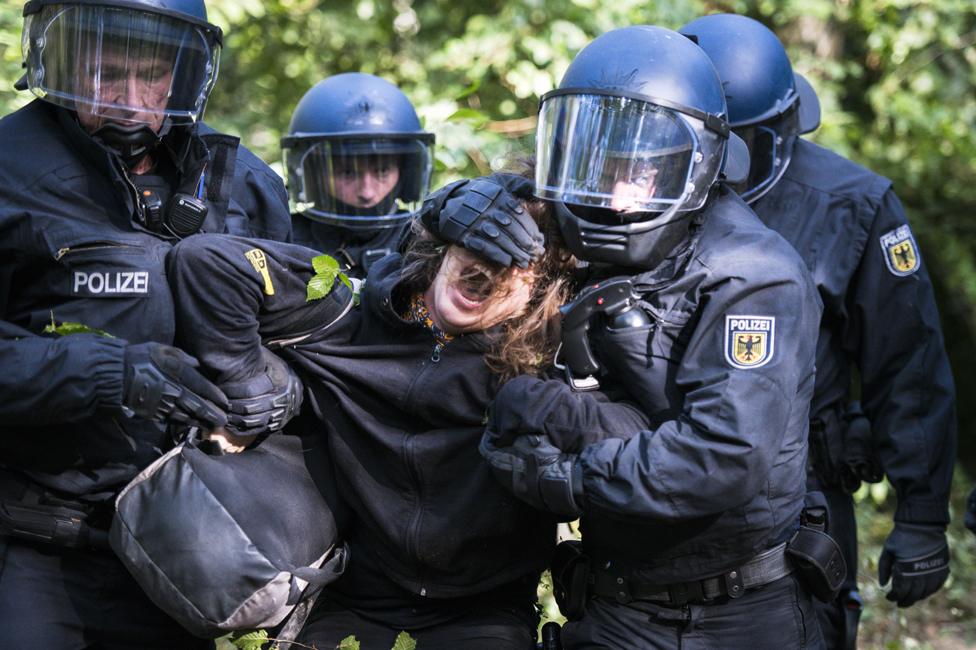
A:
489,628
68,599
777,616
843,528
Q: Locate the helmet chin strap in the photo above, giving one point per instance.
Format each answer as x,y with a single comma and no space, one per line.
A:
131,142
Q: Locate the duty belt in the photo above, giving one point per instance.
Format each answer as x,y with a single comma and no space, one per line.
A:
767,567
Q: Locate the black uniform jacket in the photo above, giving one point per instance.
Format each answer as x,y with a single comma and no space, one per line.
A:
402,422
72,249
725,373
355,250
879,315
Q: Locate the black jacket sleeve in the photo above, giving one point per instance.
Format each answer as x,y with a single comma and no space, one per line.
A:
906,382
258,203
46,380
735,423
232,294
570,420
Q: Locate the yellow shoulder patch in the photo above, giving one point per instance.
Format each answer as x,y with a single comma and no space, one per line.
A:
260,263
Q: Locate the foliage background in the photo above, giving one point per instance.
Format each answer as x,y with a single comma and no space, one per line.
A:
896,79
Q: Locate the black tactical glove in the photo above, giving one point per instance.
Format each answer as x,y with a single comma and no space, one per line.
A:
538,473
160,383
484,216
266,402
971,511
916,558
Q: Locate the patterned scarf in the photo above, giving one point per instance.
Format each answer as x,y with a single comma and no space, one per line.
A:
417,312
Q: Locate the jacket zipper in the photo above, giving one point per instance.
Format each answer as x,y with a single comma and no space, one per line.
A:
93,247
413,531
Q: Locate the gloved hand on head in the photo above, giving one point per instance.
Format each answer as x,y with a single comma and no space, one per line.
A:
486,216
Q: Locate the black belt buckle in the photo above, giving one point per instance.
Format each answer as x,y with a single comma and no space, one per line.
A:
682,593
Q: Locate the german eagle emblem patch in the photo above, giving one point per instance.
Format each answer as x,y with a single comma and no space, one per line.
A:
749,340
900,251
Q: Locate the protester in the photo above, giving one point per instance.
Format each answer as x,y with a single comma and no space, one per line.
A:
399,384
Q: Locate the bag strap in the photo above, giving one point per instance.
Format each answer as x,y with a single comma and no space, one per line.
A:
328,572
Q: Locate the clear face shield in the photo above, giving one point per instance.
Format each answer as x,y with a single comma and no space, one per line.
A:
359,183
623,154
115,64
770,151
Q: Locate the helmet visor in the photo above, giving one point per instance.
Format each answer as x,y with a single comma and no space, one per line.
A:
614,152
770,150
120,63
360,183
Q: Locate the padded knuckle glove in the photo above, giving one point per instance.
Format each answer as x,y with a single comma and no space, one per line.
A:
916,559
484,216
538,473
161,383
266,402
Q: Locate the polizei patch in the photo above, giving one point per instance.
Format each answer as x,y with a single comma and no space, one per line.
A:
749,340
110,283
900,251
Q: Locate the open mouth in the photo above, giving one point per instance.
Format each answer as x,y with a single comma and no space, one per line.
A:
475,283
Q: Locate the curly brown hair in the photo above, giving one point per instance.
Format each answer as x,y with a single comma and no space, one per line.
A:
523,344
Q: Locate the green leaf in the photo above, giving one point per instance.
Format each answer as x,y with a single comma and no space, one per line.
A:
346,281
66,327
470,90
404,642
325,264
473,115
349,643
319,287
250,640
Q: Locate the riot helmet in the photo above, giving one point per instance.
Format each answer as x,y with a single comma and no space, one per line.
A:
130,69
632,142
356,154
769,104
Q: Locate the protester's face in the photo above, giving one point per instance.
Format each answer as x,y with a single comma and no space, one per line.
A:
365,182
140,84
465,295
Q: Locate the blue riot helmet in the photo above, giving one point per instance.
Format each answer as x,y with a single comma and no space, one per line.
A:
769,104
130,69
356,154
632,143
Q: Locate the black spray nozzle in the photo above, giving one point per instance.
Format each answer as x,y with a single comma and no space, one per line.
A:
613,298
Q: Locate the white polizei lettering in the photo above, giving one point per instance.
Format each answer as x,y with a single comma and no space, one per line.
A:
100,284
141,282
81,279
752,325
118,282
126,281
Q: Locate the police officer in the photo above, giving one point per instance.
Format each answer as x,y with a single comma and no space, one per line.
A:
359,163
879,317
685,522
99,177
